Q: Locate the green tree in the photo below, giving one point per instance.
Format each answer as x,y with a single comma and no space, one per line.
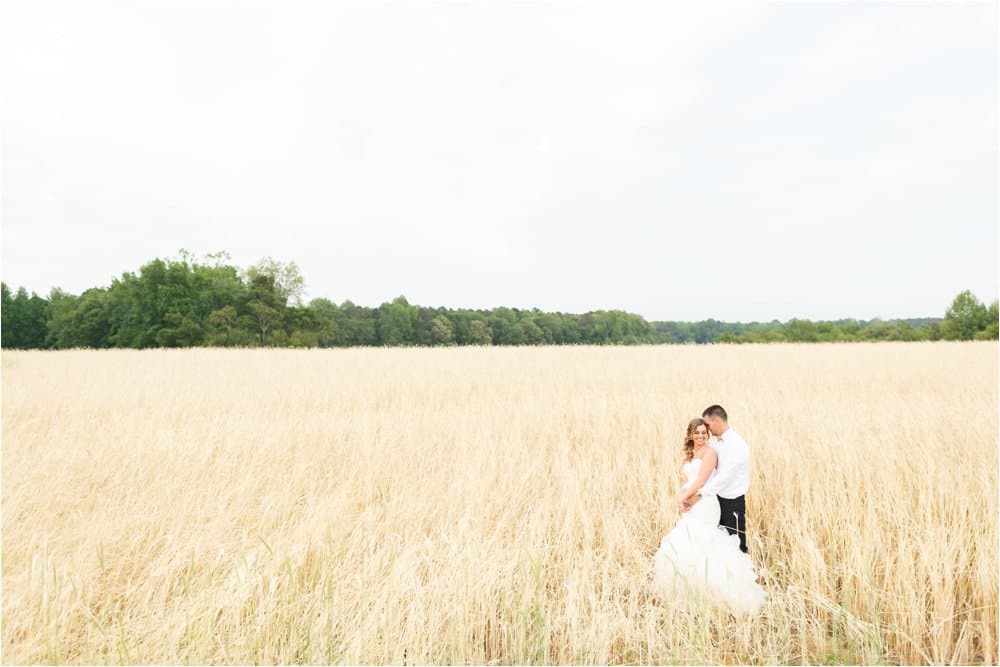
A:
277,338
59,322
359,327
88,321
264,288
480,333
828,332
23,319
332,322
801,331
529,333
501,321
9,318
183,301
221,323
441,331
396,323
965,317
14,318
303,339
284,276
265,318
181,331
304,325
992,329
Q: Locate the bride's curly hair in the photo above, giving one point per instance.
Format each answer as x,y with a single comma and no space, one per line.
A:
689,438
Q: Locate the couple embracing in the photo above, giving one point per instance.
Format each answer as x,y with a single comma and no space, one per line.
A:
705,555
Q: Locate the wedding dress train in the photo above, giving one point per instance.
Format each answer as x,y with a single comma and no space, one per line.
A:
699,559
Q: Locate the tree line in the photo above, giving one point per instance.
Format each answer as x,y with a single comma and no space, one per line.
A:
187,302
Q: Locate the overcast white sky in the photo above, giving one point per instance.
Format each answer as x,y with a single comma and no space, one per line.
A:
680,161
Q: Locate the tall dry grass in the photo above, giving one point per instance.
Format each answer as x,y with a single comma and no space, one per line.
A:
490,504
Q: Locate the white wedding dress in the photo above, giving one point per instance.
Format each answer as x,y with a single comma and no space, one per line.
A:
698,559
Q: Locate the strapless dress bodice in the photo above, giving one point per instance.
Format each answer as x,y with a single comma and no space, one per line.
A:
690,470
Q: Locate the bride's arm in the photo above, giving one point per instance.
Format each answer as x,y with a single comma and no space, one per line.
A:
708,463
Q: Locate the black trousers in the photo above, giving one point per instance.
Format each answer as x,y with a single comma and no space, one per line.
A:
734,518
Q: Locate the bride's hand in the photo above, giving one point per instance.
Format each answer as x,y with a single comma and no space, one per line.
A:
685,502
682,504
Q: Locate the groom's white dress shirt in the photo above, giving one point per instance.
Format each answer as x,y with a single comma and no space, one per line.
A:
731,477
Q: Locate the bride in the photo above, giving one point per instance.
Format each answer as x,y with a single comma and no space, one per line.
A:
698,558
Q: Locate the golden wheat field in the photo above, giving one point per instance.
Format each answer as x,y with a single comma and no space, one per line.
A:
490,505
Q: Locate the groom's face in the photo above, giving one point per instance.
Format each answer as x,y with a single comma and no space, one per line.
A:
714,425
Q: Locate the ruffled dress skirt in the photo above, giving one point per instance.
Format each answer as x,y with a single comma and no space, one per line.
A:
699,560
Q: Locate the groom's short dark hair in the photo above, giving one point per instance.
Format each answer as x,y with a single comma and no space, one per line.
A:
715,411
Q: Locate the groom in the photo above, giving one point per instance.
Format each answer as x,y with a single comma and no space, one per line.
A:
732,475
